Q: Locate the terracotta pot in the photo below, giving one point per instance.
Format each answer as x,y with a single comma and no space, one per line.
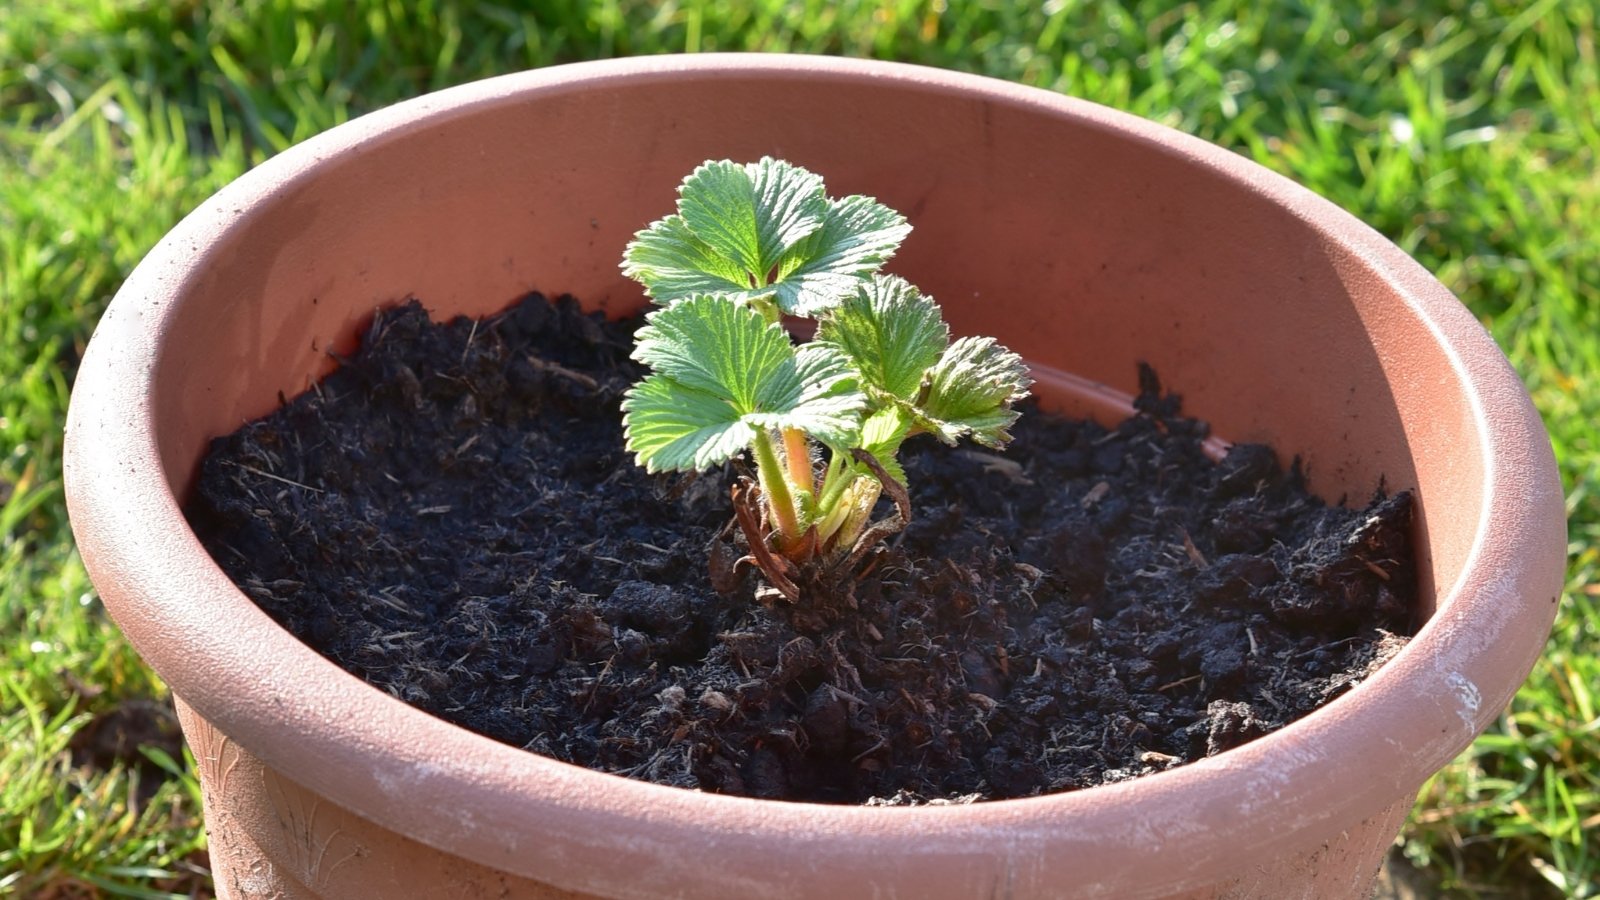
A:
1084,238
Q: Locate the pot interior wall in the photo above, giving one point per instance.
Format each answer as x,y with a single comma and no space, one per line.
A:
1085,250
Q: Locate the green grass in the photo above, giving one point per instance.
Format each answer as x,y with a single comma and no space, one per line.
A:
1465,131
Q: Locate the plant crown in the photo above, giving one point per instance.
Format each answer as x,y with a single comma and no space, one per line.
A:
750,244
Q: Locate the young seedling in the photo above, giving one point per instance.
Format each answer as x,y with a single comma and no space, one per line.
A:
824,420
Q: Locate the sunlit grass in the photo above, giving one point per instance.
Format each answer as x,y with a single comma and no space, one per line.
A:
1465,131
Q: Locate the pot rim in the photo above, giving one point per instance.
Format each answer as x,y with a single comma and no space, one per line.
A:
502,806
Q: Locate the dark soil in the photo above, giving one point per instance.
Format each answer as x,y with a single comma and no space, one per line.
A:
121,733
451,516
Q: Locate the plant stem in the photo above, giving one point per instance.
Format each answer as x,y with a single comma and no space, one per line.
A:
797,453
768,308
857,511
779,499
840,474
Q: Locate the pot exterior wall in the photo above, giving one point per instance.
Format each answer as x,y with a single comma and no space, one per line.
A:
273,839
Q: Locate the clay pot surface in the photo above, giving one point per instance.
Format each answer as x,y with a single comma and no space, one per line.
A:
1084,238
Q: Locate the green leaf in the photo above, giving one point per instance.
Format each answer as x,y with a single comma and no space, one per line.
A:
831,403
891,332
858,235
882,434
759,229
672,264
672,427
708,344
752,214
720,372
971,389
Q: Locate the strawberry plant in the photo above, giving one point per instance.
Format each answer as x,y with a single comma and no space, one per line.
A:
824,420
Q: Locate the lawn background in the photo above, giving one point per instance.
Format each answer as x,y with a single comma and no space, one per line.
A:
1467,132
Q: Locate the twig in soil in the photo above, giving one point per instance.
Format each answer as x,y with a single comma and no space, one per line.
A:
843,665
1348,640
255,471
841,694
1095,494
1180,682
544,365
1191,550
1010,468
1032,573
880,745
595,688
393,640
866,571
382,596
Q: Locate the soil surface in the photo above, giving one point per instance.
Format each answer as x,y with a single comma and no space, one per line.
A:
452,517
